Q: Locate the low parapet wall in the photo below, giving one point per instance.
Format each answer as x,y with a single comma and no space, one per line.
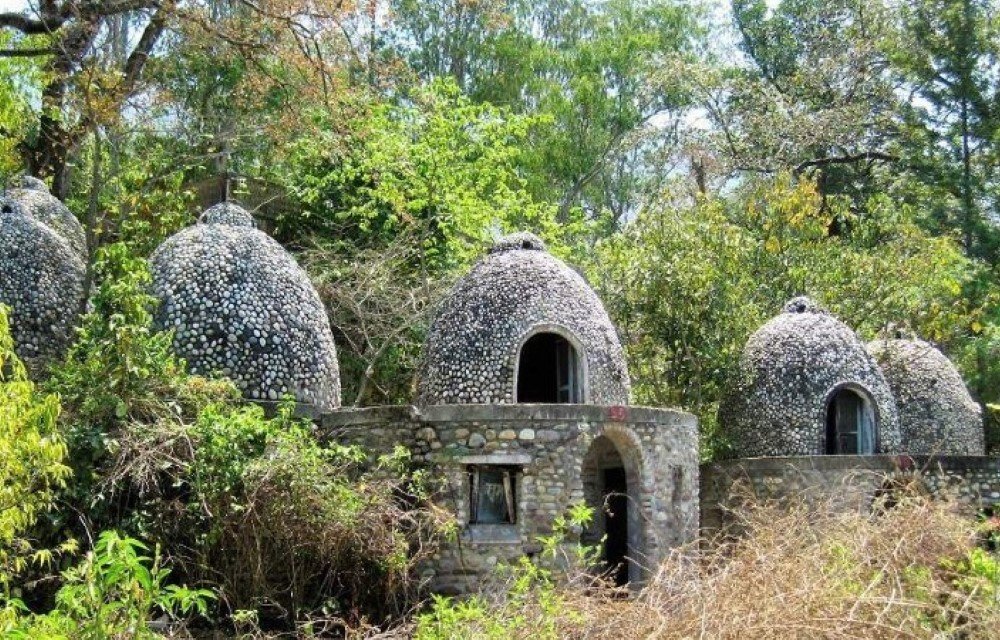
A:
847,482
550,449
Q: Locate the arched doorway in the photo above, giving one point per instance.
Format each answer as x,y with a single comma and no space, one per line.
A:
611,488
850,423
548,371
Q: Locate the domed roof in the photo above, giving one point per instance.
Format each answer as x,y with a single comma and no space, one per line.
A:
789,370
227,213
240,305
29,182
35,199
936,413
515,291
43,283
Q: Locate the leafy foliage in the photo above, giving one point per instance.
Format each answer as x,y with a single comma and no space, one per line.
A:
112,593
32,455
531,601
675,277
439,167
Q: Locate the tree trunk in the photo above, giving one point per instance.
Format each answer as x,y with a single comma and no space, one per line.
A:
968,213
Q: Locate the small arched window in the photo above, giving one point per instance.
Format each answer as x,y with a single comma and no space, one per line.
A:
850,424
548,371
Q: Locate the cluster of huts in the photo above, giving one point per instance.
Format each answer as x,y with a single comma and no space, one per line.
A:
523,393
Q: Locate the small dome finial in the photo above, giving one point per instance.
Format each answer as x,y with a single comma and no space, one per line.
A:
803,304
523,241
29,182
227,213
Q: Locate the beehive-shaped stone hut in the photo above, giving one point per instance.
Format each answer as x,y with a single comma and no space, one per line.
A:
522,327
936,413
807,386
43,282
35,199
240,306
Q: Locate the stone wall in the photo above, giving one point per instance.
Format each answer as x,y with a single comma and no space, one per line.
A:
551,446
849,482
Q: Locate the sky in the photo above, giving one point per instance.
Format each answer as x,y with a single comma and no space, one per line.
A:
6,6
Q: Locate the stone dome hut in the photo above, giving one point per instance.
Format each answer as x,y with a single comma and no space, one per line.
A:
43,282
807,386
936,413
34,197
522,327
241,306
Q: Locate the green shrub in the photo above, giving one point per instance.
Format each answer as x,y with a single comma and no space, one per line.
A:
119,377
292,527
32,454
533,601
113,593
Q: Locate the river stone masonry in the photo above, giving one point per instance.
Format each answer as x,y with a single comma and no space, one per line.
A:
844,483
936,413
240,305
229,214
787,372
517,289
43,282
34,197
553,447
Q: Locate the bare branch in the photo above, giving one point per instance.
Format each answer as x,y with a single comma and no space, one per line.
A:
30,26
137,59
845,159
26,53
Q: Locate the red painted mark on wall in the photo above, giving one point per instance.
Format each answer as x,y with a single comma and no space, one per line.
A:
618,413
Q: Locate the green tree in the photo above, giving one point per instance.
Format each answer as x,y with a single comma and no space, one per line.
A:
811,95
438,165
687,284
600,71
946,55
32,454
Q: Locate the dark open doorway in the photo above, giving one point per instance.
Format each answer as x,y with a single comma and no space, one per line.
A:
616,524
548,371
611,487
850,428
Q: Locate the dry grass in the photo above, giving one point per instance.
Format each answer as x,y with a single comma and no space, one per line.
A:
798,570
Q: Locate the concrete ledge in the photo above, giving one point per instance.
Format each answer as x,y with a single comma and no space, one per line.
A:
368,415
884,462
509,413
511,458
491,534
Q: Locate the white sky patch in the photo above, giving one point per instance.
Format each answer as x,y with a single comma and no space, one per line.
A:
10,6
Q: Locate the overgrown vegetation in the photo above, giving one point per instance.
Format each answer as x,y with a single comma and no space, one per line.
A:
798,569
700,163
251,509
32,457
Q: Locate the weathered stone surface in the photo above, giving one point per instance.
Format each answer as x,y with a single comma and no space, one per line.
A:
788,371
936,413
845,483
229,214
239,305
36,201
516,289
657,447
43,282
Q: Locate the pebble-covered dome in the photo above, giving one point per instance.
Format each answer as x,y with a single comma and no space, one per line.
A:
936,413
789,370
239,305
517,290
34,197
227,213
43,283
